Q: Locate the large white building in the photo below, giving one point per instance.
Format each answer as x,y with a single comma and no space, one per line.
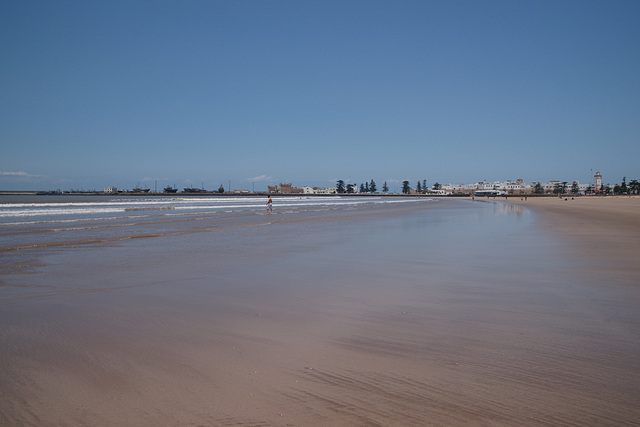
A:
318,190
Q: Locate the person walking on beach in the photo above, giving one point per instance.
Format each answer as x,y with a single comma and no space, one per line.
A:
269,204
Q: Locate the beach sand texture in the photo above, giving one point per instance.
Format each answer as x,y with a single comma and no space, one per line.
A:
604,229
450,312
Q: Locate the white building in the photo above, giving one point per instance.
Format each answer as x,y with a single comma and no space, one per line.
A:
513,186
318,190
549,186
440,192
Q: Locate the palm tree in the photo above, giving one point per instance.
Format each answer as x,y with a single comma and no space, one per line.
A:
623,186
538,189
575,188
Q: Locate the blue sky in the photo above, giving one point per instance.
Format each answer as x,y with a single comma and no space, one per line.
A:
110,93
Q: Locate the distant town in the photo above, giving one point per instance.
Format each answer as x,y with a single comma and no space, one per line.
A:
481,188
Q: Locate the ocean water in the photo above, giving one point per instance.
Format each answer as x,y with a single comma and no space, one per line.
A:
61,220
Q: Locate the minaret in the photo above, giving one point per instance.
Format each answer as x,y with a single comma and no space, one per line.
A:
597,182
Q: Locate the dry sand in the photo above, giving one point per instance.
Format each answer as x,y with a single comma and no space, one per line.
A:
313,334
605,229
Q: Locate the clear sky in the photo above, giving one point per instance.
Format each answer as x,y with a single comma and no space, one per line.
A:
251,93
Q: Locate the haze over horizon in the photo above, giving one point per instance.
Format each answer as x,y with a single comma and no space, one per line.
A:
254,93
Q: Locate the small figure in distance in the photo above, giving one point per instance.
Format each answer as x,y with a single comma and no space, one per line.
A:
269,204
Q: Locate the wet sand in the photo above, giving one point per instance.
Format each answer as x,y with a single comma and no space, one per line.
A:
455,313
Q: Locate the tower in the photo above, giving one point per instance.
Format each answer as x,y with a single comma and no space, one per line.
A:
597,182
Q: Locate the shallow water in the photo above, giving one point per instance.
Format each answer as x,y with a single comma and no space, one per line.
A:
61,220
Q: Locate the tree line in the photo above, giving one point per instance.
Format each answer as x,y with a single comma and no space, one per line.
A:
632,188
367,187
371,187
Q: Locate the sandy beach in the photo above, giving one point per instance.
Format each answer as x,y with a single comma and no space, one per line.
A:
605,229
451,312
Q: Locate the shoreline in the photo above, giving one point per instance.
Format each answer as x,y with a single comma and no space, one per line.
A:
226,194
